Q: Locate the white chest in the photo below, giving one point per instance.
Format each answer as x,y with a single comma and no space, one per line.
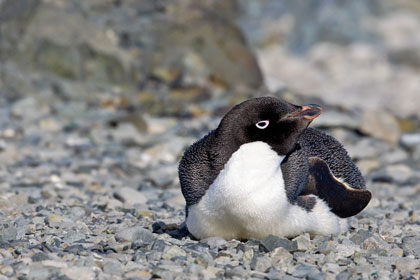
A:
247,196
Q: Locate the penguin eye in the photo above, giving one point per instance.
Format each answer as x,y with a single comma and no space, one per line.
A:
262,124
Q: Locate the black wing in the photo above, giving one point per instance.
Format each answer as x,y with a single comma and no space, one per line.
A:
343,200
195,170
332,175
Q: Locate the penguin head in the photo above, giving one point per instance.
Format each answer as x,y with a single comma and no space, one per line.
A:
267,119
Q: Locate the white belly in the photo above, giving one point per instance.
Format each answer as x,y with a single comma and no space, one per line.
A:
248,199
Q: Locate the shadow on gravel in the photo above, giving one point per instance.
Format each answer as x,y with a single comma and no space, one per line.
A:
174,230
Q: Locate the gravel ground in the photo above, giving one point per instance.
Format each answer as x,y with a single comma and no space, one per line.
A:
88,193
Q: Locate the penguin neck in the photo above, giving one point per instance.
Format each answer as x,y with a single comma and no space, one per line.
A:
223,147
296,148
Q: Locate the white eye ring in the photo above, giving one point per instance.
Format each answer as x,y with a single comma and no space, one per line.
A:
262,124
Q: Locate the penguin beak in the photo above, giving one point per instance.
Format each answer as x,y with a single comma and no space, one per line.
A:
308,112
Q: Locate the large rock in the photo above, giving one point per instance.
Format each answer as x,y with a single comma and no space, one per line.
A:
179,49
64,42
380,124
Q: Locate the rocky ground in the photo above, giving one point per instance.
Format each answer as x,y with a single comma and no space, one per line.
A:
99,99
87,193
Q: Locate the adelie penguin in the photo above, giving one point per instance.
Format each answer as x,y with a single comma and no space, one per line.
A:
263,171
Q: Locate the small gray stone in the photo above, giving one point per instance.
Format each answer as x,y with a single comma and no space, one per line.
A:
326,247
7,233
330,267
77,212
204,259
214,242
308,271
194,269
159,272
113,267
303,242
374,242
280,258
238,271
59,221
407,264
360,236
343,275
271,242
135,234
73,237
173,251
248,255
346,250
130,196
410,140
261,264
38,272
395,156
159,245
40,256
7,270
380,124
411,245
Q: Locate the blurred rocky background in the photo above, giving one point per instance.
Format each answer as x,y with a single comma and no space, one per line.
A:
99,99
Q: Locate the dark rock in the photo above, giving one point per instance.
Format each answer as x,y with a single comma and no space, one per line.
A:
343,275
74,249
360,236
40,256
271,242
159,245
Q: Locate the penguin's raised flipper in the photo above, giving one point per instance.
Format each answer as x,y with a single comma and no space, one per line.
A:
343,200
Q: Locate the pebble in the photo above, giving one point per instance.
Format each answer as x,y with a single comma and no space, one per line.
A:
380,124
360,236
411,245
407,264
7,233
280,258
173,251
307,271
303,243
272,242
113,267
410,140
135,234
130,196
261,264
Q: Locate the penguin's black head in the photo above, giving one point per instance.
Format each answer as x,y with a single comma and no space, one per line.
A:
268,119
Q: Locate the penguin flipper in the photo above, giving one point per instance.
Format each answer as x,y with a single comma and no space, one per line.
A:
343,200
